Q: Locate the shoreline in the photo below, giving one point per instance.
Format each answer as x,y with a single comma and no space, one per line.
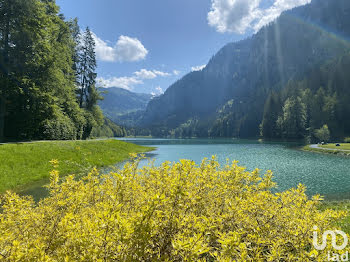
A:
315,148
28,164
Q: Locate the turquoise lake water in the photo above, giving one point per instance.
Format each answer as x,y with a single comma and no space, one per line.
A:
324,174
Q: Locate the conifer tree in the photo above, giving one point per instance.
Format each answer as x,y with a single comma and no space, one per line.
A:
87,70
88,92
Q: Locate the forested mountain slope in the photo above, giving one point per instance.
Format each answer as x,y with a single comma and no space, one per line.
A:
227,98
322,99
118,102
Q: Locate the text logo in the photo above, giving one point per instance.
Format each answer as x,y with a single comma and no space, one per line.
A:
333,235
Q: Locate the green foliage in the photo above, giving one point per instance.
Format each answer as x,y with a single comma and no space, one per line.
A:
29,162
192,128
343,205
175,212
347,140
59,128
108,129
269,127
293,119
323,134
318,103
38,74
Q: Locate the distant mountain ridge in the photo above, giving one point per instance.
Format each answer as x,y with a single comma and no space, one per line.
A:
119,102
244,73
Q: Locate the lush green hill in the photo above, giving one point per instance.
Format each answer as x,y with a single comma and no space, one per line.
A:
227,98
120,105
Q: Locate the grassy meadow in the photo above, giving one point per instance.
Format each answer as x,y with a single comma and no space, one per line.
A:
344,146
25,163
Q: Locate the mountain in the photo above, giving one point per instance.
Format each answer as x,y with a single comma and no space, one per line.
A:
120,104
320,101
227,97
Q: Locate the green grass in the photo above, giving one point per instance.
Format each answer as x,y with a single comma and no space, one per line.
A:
344,146
335,150
340,206
25,163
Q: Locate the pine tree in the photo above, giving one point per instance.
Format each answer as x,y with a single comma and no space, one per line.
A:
87,70
271,110
88,92
294,118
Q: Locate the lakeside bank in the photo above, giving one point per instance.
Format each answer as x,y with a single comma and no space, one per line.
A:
343,149
26,163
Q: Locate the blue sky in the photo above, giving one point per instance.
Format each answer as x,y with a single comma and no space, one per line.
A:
146,45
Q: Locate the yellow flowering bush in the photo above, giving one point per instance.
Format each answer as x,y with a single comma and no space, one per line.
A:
174,212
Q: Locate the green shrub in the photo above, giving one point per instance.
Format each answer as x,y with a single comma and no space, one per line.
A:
323,134
61,127
347,140
108,129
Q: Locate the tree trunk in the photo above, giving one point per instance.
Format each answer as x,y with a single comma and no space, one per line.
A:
2,118
6,34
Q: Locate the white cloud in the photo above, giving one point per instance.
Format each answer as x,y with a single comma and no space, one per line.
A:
160,73
232,15
271,13
126,49
198,68
130,49
145,74
176,72
103,51
150,74
238,16
127,83
158,91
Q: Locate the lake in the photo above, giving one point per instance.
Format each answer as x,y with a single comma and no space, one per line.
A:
324,174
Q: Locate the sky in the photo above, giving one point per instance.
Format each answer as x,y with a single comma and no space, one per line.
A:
146,45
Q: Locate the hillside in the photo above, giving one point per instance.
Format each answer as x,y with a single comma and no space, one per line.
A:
320,100
119,102
236,82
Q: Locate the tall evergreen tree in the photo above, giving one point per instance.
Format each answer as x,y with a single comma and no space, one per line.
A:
271,111
87,69
294,118
88,94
